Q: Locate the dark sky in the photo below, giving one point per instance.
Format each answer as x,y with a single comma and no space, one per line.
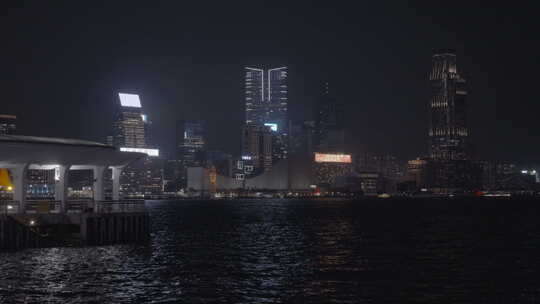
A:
62,64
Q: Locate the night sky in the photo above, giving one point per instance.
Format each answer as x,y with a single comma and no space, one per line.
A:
63,64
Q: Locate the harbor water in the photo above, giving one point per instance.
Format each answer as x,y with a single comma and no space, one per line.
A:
296,251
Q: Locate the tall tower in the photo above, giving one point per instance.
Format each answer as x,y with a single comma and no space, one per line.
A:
266,105
190,142
257,146
129,128
448,131
330,129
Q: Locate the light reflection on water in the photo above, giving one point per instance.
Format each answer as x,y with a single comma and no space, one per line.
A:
393,251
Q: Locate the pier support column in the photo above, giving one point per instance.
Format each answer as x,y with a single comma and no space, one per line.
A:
98,186
116,172
61,175
20,185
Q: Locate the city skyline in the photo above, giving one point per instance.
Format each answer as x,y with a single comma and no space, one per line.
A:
381,90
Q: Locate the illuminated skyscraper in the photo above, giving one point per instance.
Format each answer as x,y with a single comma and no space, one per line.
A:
7,124
190,145
266,105
448,131
257,146
129,129
190,142
130,134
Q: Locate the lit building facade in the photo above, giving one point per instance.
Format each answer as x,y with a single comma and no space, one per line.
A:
190,142
328,167
266,103
8,124
190,148
129,129
448,131
388,166
131,134
41,183
257,148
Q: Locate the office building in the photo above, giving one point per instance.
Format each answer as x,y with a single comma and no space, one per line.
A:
388,166
266,105
257,147
190,142
329,167
302,138
131,134
8,124
129,129
190,148
448,131
330,129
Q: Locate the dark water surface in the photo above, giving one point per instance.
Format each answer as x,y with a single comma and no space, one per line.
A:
278,251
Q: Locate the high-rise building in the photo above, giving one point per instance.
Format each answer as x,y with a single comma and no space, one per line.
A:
266,105
129,129
448,131
257,147
330,129
190,142
7,124
190,146
302,137
130,134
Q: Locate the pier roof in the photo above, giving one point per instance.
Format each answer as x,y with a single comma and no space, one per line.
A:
16,150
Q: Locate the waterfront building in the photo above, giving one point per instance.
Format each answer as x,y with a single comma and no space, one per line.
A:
416,172
8,124
131,134
190,142
129,129
507,176
449,167
448,130
257,148
386,165
190,147
266,104
328,167
221,161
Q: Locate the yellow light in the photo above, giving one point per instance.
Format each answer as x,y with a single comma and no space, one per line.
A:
5,179
9,188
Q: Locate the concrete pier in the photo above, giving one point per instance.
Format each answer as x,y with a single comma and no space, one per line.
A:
114,228
105,224
61,221
15,236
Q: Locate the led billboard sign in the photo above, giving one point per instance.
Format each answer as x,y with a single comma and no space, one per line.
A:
332,158
129,100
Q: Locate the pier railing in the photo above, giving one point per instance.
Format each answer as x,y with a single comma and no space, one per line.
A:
80,205
43,206
121,206
72,206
